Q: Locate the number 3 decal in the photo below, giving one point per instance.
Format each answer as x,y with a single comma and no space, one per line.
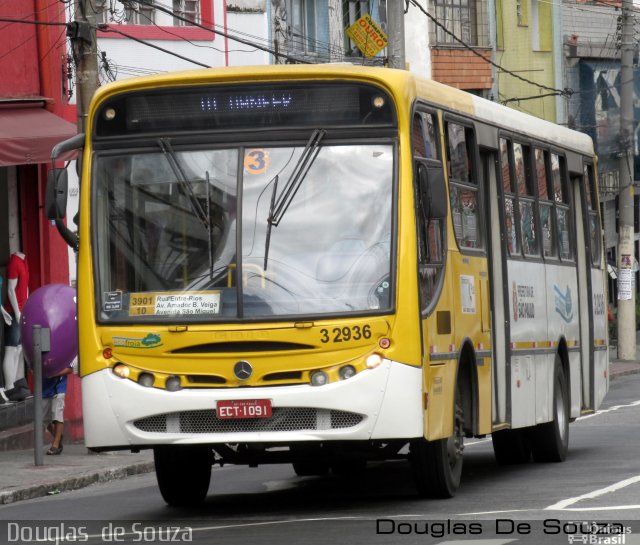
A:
256,161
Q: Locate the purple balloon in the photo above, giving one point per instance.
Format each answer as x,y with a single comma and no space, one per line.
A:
52,306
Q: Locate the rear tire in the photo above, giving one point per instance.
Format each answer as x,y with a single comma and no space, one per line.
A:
511,446
550,441
437,465
183,474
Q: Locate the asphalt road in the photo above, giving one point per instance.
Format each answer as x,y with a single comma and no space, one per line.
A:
533,503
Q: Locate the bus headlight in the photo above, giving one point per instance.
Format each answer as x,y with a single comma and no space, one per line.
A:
146,380
173,384
347,372
319,378
373,361
121,370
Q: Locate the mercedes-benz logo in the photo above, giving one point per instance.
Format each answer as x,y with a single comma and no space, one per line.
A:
243,369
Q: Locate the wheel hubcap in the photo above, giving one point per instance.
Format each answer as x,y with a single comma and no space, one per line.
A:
455,444
561,414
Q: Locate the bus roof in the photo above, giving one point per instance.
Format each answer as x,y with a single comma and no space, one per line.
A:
431,91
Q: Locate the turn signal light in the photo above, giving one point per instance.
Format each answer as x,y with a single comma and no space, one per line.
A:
107,353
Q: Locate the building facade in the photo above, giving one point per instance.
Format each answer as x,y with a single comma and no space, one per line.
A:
34,116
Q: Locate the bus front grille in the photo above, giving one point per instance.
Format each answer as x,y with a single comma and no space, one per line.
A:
283,419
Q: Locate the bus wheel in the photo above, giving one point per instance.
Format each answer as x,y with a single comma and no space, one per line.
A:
550,441
183,473
437,465
511,446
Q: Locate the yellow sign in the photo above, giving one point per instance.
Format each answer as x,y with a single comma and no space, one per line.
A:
368,36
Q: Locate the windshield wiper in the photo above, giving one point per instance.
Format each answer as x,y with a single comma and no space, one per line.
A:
209,226
185,185
280,204
269,223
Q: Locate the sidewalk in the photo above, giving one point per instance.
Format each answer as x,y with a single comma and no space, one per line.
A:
619,368
76,467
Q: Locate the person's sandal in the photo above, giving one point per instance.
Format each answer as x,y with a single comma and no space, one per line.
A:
55,450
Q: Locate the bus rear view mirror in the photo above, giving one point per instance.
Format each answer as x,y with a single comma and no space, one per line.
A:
56,194
432,187
57,186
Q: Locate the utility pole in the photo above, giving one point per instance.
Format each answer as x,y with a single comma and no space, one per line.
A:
626,253
82,33
395,31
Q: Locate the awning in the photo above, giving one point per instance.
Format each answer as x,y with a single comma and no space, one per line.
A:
27,135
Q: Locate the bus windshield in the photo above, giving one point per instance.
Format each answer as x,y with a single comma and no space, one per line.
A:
187,233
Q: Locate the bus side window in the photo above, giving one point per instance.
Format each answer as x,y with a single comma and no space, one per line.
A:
541,158
423,136
510,210
430,230
562,201
588,180
463,186
526,201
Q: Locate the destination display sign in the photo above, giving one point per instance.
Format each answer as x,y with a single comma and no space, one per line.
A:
174,304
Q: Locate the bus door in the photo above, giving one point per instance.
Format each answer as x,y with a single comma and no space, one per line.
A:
499,296
435,292
593,316
583,258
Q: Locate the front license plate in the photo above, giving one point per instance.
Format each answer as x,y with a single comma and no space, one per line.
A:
244,408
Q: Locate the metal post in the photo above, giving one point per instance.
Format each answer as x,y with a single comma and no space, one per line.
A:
626,253
37,402
395,30
41,343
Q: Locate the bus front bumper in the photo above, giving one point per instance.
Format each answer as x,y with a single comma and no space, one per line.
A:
383,403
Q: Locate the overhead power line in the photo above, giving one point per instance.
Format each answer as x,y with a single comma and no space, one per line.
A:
563,92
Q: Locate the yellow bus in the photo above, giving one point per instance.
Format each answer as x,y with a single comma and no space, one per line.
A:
329,265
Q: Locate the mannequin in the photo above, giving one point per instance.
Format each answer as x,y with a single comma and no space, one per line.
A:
17,292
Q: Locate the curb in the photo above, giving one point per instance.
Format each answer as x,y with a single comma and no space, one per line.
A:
74,483
626,372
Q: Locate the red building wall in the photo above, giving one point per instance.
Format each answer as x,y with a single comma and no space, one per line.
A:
32,62
18,52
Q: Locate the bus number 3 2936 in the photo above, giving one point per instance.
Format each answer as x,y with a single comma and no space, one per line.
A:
344,334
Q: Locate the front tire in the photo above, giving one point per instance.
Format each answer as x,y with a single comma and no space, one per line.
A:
437,465
550,441
183,474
